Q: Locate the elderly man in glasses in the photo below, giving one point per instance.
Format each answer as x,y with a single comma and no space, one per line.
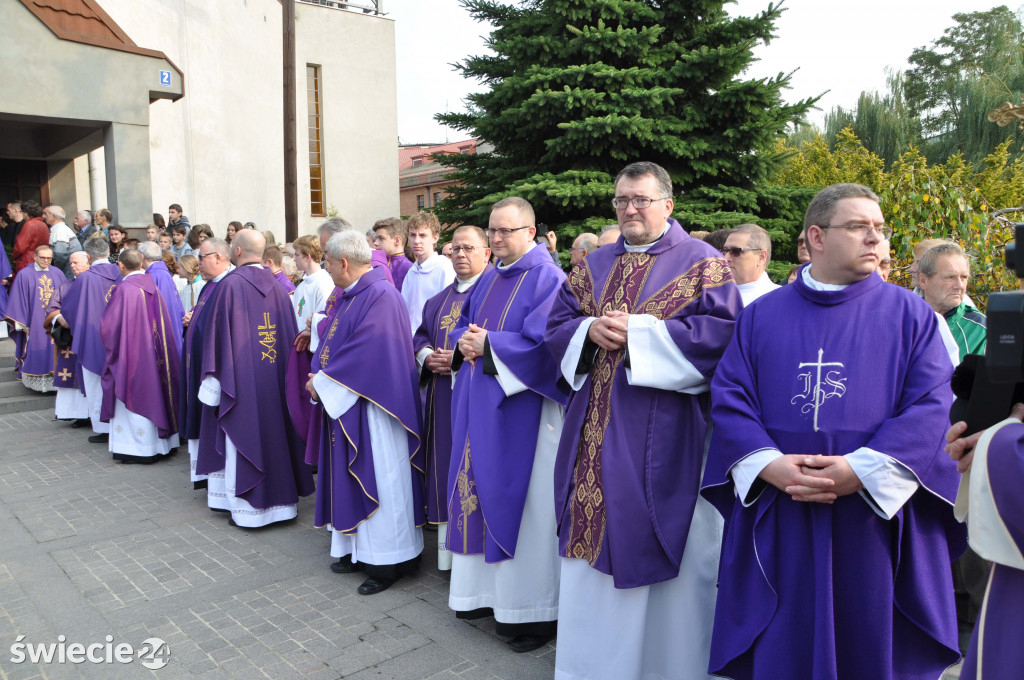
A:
748,250
827,462
507,415
637,330
26,313
434,348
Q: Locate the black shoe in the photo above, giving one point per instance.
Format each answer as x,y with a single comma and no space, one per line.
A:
99,438
80,422
346,566
528,643
474,614
374,585
220,509
201,484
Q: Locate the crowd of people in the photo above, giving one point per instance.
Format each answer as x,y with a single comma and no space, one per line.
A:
675,465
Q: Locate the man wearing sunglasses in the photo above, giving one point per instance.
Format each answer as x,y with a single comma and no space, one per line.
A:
748,250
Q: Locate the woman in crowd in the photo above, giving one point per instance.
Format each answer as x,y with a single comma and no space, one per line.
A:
188,269
117,235
233,228
160,222
199,233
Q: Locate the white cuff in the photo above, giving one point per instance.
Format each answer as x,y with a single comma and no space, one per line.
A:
314,337
335,398
744,473
887,482
20,326
421,356
656,361
572,356
508,381
54,324
209,391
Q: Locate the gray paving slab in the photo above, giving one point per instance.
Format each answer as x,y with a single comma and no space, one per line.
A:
90,549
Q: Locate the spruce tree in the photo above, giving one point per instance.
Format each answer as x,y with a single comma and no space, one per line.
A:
580,88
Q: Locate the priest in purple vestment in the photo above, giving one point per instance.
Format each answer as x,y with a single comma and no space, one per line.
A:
153,264
433,347
214,258
991,502
370,457
141,371
26,313
83,308
6,273
247,443
827,463
70,403
638,330
506,418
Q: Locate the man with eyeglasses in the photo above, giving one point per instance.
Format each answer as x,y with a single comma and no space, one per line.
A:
637,330
434,347
827,461
507,415
26,314
82,308
748,250
214,264
581,247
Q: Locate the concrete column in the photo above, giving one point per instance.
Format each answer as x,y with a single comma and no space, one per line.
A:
97,180
129,184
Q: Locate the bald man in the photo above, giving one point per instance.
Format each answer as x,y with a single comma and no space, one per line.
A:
248,447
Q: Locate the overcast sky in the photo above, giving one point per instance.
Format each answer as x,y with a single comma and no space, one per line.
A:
841,52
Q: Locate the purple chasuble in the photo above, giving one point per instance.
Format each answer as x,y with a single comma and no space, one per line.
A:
169,290
247,324
30,294
628,469
494,437
142,364
286,283
399,265
379,260
190,409
811,590
440,314
83,307
5,272
65,371
996,652
367,321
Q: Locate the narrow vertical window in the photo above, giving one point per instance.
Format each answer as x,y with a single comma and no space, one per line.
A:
314,98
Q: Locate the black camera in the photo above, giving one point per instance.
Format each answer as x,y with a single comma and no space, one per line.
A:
987,387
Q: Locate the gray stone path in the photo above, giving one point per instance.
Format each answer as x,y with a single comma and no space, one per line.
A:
90,548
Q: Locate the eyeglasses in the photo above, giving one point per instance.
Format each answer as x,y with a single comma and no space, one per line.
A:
465,249
44,259
800,241
639,202
863,229
736,252
503,233
200,256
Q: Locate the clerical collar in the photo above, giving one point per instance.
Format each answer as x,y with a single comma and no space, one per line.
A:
815,284
354,284
502,265
462,285
647,246
224,273
255,264
134,273
38,268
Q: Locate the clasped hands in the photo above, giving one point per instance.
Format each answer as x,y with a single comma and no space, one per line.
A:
439,361
610,331
816,479
471,344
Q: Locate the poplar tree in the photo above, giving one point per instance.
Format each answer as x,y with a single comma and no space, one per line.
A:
577,89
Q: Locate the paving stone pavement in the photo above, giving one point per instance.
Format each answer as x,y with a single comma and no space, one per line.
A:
90,548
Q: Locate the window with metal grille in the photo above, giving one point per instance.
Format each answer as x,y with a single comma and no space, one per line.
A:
314,97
